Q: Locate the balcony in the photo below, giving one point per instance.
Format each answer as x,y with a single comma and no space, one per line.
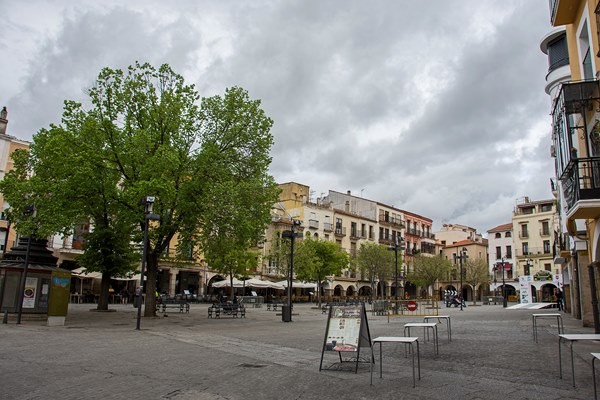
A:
397,222
581,188
313,223
328,227
544,232
354,234
523,235
339,231
563,12
534,251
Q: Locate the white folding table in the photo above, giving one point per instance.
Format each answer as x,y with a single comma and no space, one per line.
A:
559,322
396,339
439,318
425,326
571,338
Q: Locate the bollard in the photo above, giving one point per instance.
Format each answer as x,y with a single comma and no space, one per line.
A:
5,318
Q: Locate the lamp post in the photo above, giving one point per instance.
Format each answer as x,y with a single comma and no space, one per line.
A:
527,267
147,202
29,211
463,255
398,240
504,299
291,234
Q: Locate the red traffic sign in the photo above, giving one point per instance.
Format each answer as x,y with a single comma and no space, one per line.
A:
411,305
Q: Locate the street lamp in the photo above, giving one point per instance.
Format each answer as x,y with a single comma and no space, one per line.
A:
147,202
504,299
398,240
286,315
463,255
527,266
29,211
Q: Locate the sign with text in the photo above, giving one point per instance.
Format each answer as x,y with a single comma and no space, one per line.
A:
347,330
525,289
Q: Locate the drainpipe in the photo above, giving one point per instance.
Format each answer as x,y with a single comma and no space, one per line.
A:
591,271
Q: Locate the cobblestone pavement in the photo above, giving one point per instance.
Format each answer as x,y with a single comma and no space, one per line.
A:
100,355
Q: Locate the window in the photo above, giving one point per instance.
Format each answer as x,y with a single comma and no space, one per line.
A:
525,248
524,233
558,53
548,267
353,232
546,246
498,252
508,234
545,228
546,208
498,235
508,251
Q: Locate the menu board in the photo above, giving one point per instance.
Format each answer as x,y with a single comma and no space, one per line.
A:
347,330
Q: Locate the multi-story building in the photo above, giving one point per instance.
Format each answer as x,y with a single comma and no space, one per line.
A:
576,147
8,144
349,221
534,227
451,239
501,261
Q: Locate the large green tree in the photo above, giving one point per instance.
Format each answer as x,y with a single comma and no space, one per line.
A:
375,263
206,164
314,260
428,270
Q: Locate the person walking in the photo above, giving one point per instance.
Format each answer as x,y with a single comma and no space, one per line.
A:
559,299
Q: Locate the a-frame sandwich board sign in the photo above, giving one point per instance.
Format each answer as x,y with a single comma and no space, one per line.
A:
347,332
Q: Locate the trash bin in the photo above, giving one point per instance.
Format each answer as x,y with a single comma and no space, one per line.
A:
136,301
286,313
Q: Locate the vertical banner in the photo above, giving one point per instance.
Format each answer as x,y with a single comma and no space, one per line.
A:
525,289
30,292
557,279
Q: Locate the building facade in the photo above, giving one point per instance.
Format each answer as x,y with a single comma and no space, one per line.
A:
576,148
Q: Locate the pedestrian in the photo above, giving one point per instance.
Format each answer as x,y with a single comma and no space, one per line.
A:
559,299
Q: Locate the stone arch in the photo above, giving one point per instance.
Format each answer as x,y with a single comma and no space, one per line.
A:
350,291
338,291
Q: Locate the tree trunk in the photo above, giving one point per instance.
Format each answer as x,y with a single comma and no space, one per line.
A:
150,285
319,293
104,286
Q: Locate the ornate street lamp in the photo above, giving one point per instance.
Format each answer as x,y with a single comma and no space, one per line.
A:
30,211
286,315
147,202
398,240
504,299
527,267
463,255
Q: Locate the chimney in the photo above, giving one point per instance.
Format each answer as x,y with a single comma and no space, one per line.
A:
3,120
347,208
349,192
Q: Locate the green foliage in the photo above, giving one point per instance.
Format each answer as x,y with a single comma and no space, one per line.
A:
145,135
314,260
279,252
427,270
375,263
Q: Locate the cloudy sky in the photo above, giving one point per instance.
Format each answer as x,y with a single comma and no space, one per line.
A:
434,107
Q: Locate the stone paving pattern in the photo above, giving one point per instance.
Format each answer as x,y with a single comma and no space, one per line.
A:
189,356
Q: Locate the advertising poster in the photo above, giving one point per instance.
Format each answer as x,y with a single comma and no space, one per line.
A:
344,329
558,280
525,289
30,292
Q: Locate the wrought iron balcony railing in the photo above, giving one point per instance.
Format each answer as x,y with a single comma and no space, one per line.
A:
581,181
